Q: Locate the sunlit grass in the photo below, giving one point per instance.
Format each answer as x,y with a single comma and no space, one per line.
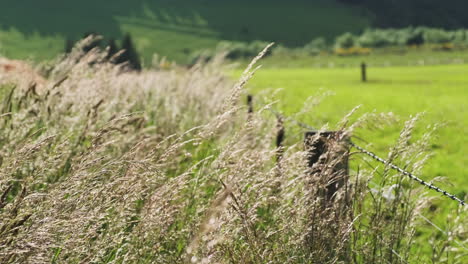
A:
438,91
166,166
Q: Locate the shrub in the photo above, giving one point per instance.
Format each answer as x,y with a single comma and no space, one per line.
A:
437,36
345,41
410,36
281,50
375,38
460,36
255,47
233,50
200,56
416,37
315,46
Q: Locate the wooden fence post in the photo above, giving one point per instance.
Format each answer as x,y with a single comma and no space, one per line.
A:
250,104
363,72
331,211
328,159
279,139
249,108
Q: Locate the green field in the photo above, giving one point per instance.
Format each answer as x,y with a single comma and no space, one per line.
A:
37,29
439,91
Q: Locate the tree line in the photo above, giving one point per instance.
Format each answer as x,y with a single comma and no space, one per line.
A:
368,39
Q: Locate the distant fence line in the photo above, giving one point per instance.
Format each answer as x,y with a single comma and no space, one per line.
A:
420,62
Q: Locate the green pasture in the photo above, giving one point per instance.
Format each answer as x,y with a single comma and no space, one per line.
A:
37,30
438,91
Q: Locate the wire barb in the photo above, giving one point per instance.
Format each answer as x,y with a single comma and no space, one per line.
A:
410,175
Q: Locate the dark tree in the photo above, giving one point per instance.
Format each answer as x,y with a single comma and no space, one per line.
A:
130,54
416,39
69,44
112,48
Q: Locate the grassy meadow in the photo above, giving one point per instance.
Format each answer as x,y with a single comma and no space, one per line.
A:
99,164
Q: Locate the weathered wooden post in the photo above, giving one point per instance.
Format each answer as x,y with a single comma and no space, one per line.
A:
330,212
249,107
363,72
327,157
279,139
250,104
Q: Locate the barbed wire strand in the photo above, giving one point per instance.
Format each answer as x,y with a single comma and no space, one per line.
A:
381,160
409,174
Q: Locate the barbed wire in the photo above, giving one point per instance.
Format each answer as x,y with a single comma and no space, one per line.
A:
409,174
381,160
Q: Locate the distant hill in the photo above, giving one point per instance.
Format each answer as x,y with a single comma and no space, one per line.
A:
175,28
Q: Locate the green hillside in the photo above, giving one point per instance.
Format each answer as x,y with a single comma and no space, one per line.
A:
38,29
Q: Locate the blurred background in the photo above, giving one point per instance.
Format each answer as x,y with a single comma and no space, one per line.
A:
182,29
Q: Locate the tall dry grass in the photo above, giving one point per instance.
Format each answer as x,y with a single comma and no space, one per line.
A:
164,166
